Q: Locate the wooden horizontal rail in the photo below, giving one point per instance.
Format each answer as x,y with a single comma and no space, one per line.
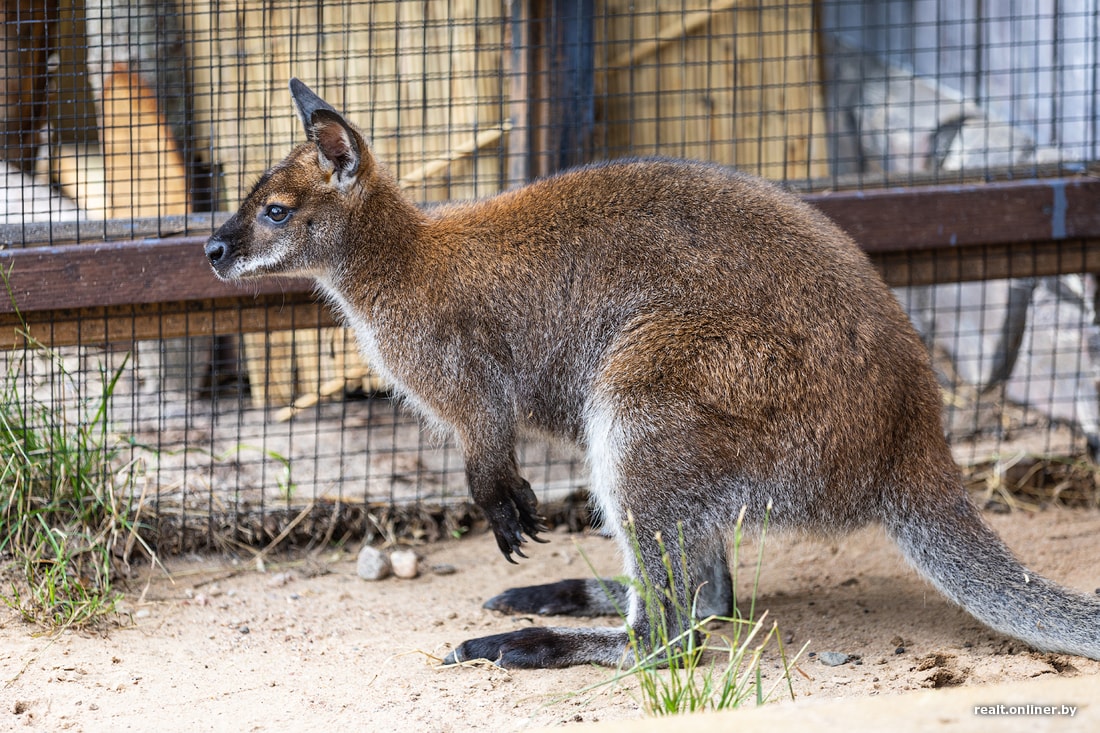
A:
125,323
936,217
161,288
135,272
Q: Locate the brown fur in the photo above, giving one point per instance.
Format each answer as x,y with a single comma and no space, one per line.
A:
707,340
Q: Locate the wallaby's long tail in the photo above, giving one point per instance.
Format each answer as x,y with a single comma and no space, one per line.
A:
968,562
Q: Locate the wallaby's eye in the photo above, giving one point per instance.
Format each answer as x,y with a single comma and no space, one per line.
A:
276,213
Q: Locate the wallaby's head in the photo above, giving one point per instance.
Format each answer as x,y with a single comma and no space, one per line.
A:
298,214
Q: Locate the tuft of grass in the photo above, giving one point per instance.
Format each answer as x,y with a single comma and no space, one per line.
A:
65,498
715,663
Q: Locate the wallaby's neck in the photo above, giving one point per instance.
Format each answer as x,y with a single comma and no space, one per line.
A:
383,239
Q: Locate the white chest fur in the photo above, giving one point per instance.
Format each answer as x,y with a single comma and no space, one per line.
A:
374,352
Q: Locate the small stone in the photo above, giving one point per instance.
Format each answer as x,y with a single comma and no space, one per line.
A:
405,563
833,659
243,629
372,564
280,579
443,569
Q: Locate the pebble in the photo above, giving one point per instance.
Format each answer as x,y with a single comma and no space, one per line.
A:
372,564
280,579
444,569
833,659
405,563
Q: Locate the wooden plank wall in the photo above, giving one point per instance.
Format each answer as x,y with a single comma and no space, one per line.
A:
730,81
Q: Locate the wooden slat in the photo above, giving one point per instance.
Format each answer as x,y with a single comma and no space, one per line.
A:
988,262
39,233
296,310
895,220
163,288
555,106
122,273
122,324
519,93
563,135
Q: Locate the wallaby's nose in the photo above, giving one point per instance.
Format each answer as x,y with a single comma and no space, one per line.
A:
215,250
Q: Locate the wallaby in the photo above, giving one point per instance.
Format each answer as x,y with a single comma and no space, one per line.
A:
708,342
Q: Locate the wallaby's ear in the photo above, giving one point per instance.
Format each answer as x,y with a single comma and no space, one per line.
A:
306,103
342,149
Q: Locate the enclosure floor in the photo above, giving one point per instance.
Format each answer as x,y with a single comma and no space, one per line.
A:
307,645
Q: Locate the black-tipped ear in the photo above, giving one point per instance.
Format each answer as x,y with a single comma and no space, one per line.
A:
342,149
306,103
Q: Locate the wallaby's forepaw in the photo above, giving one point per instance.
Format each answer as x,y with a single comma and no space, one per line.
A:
513,514
532,648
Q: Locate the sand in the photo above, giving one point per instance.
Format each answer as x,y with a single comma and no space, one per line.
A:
305,644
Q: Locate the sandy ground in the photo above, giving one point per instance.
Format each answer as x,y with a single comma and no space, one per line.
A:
307,645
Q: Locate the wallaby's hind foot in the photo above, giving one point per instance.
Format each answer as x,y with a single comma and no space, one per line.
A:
543,648
583,597
588,597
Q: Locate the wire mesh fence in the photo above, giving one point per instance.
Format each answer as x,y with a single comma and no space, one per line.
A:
128,126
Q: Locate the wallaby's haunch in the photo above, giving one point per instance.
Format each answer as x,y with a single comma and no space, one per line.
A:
706,340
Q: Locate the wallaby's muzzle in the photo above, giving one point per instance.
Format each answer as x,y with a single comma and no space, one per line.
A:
215,251
220,256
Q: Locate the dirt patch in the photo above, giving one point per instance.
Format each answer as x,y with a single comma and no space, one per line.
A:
944,670
307,645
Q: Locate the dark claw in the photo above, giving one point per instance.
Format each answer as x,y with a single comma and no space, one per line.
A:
505,547
512,513
511,545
